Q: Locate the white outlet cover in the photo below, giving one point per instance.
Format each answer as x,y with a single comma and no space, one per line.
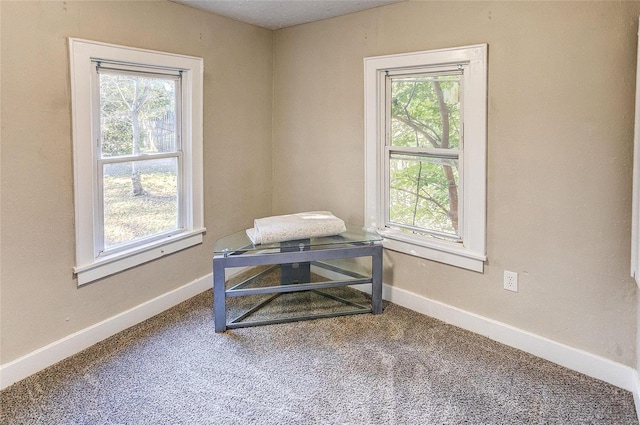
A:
510,281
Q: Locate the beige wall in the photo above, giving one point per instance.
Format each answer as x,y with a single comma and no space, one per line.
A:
560,137
561,84
40,302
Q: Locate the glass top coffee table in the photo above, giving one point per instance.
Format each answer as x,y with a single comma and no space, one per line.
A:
316,265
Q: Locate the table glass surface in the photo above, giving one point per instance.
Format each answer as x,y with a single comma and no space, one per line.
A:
240,241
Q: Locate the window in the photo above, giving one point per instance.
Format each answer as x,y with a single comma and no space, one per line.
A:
425,153
137,140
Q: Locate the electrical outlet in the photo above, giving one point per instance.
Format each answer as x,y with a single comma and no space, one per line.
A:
511,281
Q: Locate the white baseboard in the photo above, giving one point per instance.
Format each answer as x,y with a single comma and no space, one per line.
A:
572,358
636,393
41,358
581,361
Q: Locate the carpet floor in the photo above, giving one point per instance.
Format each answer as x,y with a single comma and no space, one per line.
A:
399,367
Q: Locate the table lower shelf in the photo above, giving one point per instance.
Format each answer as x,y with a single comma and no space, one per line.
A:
267,295
297,306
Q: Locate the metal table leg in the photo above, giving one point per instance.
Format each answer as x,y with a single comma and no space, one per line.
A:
219,295
376,285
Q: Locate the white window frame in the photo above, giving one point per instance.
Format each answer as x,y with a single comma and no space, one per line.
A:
635,206
91,263
472,60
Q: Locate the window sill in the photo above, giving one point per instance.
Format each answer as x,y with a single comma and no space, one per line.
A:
442,252
115,263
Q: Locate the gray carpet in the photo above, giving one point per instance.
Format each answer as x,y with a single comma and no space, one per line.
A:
396,368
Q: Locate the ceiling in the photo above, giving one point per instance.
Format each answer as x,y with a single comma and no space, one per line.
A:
276,14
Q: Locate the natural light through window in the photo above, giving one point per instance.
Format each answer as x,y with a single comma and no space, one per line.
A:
423,147
140,156
137,117
425,153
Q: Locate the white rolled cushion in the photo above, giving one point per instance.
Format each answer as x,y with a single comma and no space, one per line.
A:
289,227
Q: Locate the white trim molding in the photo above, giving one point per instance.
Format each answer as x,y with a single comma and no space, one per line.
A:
471,61
636,393
635,205
581,361
48,355
93,260
592,365
572,358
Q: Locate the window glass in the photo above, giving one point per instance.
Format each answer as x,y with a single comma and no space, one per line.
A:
137,114
424,115
140,200
425,111
138,120
423,194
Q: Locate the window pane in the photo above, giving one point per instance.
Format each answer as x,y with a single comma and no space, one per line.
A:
425,111
137,114
423,193
140,200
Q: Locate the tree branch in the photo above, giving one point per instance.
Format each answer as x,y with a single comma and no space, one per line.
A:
416,126
428,198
